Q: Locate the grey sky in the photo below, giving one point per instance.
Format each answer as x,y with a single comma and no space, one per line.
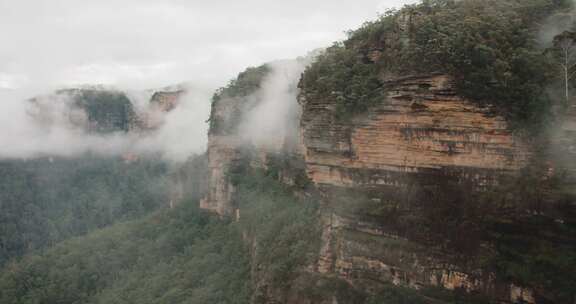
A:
151,43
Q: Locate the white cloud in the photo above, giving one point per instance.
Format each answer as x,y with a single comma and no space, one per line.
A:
24,135
112,73
11,81
204,41
142,44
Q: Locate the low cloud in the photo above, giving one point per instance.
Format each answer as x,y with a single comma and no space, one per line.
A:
184,131
52,127
276,112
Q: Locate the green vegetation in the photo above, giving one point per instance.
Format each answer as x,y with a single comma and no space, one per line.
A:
91,230
341,76
488,46
173,256
107,111
536,249
236,93
523,230
245,84
47,200
284,230
180,255
539,252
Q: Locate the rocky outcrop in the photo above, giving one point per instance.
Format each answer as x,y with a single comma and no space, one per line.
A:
250,124
375,171
166,101
421,128
404,186
378,173
152,117
223,152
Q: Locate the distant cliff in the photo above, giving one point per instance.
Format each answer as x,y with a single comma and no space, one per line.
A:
99,110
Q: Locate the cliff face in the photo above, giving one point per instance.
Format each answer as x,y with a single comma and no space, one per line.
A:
223,152
419,191
152,116
380,175
253,121
421,128
166,101
224,146
419,186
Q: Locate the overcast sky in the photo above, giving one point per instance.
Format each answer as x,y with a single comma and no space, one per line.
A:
151,43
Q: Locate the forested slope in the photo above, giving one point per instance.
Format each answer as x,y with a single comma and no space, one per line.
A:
46,200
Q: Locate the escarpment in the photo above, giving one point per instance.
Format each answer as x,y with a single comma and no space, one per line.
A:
253,123
415,144
423,127
224,142
424,190
384,173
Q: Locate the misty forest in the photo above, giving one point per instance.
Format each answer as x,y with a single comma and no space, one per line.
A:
387,152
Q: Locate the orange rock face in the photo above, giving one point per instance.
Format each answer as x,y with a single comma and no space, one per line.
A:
414,130
222,153
422,133
166,101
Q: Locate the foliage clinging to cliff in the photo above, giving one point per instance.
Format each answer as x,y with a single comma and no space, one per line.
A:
238,90
284,230
487,46
339,74
246,83
107,111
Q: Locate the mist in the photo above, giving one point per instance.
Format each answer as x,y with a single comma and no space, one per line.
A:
276,111
184,130
555,25
47,128
137,45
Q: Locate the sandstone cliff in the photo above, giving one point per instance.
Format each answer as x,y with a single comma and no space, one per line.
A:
254,119
403,185
406,188
375,173
413,142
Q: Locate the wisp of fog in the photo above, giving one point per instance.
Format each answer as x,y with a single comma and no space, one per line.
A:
24,135
276,113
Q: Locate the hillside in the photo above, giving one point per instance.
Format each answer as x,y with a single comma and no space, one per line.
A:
180,255
50,198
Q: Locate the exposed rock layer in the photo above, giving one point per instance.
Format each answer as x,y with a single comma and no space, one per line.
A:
423,133
379,175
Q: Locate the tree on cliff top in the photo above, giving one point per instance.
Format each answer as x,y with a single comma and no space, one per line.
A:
488,46
565,52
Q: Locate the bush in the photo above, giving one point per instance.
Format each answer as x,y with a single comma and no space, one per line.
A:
487,46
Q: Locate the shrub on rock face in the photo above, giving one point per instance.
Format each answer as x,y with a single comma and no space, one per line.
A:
233,97
107,111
